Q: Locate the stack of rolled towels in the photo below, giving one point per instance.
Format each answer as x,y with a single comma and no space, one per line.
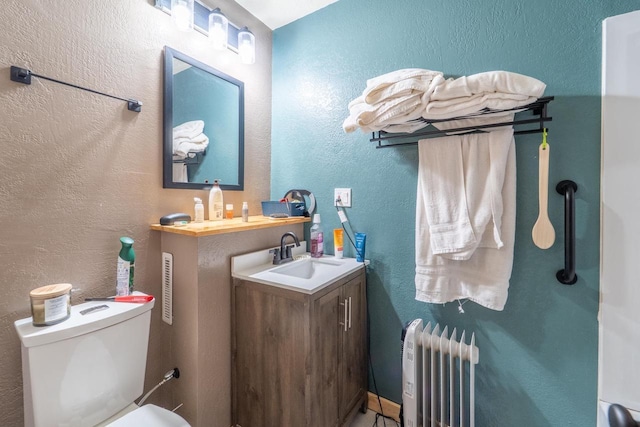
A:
189,138
406,100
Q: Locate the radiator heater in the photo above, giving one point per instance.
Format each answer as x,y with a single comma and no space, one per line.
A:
438,378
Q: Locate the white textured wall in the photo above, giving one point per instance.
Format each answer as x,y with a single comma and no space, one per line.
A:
78,170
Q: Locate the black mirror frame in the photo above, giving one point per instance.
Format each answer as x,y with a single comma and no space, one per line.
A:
167,137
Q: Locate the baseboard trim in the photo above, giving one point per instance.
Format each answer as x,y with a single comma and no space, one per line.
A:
389,408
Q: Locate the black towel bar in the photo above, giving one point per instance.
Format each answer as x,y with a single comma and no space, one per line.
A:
23,75
568,276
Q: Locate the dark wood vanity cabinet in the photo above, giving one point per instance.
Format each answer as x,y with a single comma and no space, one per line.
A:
299,360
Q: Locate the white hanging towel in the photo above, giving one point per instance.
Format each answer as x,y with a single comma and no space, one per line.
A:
180,171
465,218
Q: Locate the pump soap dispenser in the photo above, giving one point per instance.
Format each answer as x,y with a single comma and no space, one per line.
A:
216,202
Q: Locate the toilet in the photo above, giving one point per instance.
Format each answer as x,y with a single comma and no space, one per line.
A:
89,369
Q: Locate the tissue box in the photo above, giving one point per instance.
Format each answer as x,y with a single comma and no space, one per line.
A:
276,207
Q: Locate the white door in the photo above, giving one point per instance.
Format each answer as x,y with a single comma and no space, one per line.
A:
619,344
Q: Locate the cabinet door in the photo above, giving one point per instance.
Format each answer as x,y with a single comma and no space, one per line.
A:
353,354
326,340
269,359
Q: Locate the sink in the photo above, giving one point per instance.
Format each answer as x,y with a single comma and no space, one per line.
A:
306,274
307,268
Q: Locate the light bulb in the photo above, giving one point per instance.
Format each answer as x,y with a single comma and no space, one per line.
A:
182,14
246,46
218,29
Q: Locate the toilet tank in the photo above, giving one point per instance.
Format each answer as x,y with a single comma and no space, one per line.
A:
87,368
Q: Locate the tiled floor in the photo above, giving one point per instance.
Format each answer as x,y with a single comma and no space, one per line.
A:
368,420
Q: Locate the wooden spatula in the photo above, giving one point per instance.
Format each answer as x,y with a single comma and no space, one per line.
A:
543,233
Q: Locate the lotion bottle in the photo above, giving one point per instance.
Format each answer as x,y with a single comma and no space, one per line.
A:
199,210
216,202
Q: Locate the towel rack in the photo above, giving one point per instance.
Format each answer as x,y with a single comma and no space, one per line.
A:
568,276
23,75
195,160
539,116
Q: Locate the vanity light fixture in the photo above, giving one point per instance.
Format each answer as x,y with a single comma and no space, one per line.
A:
182,14
246,46
218,29
193,14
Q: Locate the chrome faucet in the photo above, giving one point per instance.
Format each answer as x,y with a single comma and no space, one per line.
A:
283,254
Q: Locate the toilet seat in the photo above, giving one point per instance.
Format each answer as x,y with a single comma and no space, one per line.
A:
150,415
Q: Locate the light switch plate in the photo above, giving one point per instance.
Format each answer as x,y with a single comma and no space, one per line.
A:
342,197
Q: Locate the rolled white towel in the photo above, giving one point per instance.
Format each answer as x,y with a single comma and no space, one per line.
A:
408,127
405,87
457,107
186,147
478,120
389,110
488,82
198,139
395,107
389,101
381,87
375,117
188,129
400,113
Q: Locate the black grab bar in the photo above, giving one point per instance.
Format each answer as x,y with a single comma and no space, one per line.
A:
568,276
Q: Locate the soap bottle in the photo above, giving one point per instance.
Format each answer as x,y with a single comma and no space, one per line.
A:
317,238
199,210
126,262
216,202
245,212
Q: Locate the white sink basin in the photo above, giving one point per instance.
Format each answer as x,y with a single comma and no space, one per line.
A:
308,268
306,275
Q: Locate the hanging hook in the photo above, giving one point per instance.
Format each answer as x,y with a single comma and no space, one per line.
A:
544,139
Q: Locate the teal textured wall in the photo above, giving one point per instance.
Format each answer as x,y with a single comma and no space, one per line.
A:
538,361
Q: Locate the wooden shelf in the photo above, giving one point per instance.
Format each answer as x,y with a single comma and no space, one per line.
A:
234,225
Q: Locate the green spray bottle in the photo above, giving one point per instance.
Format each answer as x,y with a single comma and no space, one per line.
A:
126,262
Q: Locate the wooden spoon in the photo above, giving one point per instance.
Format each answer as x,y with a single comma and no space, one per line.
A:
543,233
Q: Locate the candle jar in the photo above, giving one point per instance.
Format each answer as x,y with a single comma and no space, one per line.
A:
50,304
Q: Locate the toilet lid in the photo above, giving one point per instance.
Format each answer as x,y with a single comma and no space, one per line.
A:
150,415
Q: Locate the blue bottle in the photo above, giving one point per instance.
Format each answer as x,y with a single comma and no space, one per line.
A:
361,240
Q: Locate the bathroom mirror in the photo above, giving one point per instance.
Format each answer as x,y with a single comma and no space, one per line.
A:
203,125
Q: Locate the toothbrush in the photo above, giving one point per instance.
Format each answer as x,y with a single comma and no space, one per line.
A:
128,298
